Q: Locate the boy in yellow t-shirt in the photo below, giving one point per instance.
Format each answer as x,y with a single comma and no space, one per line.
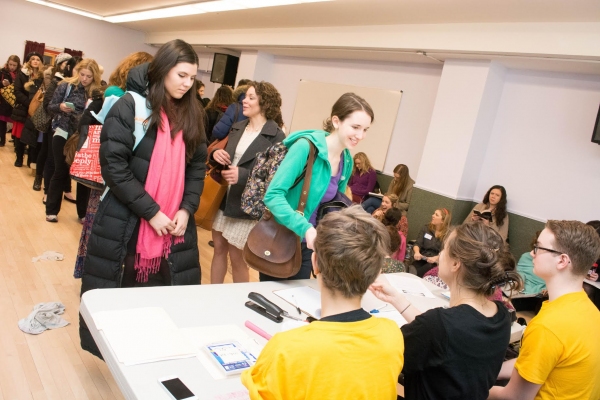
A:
347,354
560,355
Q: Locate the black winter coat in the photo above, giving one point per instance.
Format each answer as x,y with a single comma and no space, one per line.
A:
125,172
23,95
269,135
5,108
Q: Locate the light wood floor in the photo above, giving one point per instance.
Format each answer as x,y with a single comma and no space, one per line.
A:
51,365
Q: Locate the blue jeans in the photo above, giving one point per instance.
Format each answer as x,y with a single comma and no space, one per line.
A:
371,204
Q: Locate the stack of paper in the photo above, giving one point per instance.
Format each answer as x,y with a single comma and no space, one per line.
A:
143,335
305,297
410,286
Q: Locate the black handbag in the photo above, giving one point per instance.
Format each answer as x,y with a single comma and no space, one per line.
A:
338,203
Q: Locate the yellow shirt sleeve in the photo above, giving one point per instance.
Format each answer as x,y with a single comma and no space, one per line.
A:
539,354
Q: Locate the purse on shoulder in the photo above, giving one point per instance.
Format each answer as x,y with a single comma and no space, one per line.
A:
338,203
272,248
210,200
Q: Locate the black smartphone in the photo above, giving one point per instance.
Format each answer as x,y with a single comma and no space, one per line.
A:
176,388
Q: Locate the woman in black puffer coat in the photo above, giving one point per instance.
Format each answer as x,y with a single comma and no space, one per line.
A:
8,74
27,83
136,211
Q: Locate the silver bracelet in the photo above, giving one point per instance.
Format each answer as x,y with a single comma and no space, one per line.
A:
406,308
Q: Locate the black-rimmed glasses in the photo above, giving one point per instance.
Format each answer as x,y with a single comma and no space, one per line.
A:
536,248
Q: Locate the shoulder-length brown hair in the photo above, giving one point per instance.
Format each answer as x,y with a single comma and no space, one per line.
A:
185,113
445,228
14,58
223,97
269,101
119,75
399,184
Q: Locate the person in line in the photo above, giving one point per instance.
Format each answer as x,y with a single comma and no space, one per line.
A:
144,232
45,161
363,179
200,94
494,201
347,354
217,107
67,104
262,108
457,352
234,112
116,89
559,354
351,117
8,74
429,241
27,83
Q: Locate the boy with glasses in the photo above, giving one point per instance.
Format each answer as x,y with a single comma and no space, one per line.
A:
560,354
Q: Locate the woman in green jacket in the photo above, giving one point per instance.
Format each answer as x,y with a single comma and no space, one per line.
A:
351,117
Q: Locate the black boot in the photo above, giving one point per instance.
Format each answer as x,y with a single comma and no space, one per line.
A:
20,150
37,183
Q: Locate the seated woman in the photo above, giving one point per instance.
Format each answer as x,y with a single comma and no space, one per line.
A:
387,202
363,179
392,217
457,352
429,241
494,201
390,264
401,186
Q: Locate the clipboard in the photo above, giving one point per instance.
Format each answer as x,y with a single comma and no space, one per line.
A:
307,299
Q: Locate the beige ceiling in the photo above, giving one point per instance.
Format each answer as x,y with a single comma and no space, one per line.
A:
351,13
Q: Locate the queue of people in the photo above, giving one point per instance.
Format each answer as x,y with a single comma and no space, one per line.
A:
140,231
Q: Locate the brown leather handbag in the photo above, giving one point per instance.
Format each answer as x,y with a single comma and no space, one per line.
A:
272,248
212,195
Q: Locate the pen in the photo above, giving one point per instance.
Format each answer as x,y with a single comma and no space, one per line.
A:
257,330
296,303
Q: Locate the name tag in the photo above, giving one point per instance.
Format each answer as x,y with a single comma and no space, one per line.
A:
428,236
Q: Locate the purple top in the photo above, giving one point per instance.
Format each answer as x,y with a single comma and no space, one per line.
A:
361,185
331,191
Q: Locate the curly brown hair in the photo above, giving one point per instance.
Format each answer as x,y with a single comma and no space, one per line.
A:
119,75
269,101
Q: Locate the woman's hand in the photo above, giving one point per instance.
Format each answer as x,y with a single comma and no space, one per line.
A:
310,236
433,260
593,276
180,220
222,157
64,108
161,224
382,289
5,82
417,256
378,213
231,174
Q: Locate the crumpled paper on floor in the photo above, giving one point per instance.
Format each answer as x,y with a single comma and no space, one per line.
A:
49,256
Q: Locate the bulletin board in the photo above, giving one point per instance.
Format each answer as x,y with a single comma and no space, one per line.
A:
314,102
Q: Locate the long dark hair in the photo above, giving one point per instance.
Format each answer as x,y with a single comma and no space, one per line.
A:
398,185
500,211
184,113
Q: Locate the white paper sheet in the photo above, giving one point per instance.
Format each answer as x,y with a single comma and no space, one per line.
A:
392,314
143,335
409,286
307,298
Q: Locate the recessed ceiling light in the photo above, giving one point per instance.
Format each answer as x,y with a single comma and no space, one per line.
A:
67,9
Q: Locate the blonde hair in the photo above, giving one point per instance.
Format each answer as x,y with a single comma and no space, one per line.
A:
92,66
365,163
34,74
446,219
393,198
119,75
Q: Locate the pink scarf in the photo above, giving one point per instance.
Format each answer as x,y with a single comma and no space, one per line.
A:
165,183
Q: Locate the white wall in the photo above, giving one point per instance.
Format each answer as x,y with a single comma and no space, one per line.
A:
419,82
540,147
107,43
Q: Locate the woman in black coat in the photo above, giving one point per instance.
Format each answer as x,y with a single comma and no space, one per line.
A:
140,209
8,75
27,83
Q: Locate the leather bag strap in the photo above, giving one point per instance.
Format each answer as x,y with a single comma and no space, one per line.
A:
307,178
